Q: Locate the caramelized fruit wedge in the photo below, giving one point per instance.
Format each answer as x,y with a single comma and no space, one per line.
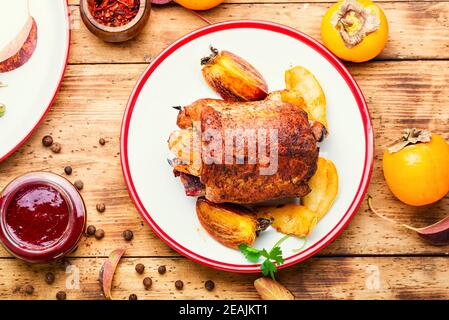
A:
318,121
228,224
21,48
268,289
233,78
291,219
300,220
301,82
324,185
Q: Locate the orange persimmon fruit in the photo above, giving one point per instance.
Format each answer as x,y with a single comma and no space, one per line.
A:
418,173
199,4
355,30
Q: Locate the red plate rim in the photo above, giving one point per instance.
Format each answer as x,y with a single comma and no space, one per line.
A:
320,49
62,72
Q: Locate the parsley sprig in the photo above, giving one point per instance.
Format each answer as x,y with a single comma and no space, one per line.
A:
273,258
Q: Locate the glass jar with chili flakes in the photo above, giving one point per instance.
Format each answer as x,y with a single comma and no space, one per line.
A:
115,20
115,13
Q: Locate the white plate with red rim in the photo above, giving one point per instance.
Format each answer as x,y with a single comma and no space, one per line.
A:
174,78
32,88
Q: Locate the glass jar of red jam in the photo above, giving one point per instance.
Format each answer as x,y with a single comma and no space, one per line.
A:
42,217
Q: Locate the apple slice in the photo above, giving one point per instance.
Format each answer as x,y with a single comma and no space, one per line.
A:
20,49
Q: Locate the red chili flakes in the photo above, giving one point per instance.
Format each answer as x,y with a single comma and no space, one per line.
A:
115,13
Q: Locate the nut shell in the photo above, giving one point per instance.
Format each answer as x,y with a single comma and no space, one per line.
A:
269,289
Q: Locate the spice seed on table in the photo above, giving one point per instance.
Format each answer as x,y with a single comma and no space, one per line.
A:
47,141
90,231
209,285
56,147
64,264
132,297
79,184
161,269
68,170
49,278
61,295
99,234
101,207
102,141
128,235
147,282
140,268
29,289
179,284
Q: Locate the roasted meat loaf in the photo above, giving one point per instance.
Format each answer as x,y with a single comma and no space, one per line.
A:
245,152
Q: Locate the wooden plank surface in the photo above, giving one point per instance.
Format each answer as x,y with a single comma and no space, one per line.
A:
371,259
90,106
419,30
317,278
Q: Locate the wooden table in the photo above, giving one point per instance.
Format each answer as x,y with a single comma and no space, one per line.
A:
405,87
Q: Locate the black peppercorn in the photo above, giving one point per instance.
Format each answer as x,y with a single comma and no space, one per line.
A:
64,264
101,207
179,284
102,141
56,147
128,235
29,289
209,285
49,278
99,234
79,184
61,295
161,269
68,170
91,230
132,297
147,282
47,141
140,268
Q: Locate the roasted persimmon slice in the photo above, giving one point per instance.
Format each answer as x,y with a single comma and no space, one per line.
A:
324,185
228,224
304,89
292,219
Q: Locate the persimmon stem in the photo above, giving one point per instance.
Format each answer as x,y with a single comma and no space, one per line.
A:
195,13
370,205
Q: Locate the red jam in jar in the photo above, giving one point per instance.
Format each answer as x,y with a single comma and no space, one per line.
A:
42,217
38,215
